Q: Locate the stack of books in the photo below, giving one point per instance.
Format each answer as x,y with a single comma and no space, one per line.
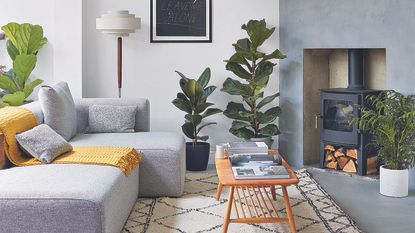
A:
256,164
247,148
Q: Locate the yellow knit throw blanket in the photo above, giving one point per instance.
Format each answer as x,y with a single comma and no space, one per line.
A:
15,120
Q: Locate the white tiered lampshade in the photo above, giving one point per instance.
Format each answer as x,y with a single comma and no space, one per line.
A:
118,23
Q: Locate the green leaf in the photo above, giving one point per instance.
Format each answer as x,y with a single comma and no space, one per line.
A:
262,73
243,46
207,92
203,138
196,119
193,90
203,126
10,30
270,115
23,66
258,32
183,105
7,84
234,87
27,38
240,59
237,111
277,54
238,70
188,130
15,99
269,130
12,50
240,124
28,88
204,78
211,111
242,133
202,107
267,100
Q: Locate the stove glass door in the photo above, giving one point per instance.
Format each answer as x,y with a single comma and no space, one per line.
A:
338,115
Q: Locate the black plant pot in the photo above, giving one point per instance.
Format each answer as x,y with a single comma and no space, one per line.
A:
197,157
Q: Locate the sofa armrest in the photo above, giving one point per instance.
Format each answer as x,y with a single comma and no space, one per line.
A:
142,120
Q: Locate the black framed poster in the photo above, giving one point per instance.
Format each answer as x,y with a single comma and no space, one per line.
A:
181,21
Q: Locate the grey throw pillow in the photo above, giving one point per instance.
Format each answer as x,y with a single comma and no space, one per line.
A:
111,119
43,143
59,109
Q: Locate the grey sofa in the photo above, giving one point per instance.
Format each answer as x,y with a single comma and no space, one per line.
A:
92,198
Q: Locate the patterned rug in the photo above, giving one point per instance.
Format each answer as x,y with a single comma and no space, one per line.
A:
198,211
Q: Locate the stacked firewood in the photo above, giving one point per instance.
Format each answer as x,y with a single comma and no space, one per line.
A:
345,159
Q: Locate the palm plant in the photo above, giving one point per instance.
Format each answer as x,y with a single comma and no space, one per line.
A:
23,44
193,101
391,120
254,68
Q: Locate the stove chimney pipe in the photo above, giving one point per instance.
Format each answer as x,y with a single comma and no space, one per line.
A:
356,70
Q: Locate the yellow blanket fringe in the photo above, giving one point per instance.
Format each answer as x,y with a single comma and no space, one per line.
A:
15,120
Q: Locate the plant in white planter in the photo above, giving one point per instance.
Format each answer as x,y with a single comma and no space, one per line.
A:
391,120
254,67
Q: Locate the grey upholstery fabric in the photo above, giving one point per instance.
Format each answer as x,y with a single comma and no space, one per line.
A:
59,109
43,143
163,167
111,119
142,117
36,109
76,198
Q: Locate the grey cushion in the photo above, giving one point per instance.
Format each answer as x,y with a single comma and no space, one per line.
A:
162,168
59,109
43,143
142,117
66,198
111,119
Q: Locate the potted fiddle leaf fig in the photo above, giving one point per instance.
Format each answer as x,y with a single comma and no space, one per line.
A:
193,101
391,120
23,43
251,120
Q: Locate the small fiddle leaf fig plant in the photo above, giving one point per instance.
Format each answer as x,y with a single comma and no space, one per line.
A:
23,44
254,68
193,101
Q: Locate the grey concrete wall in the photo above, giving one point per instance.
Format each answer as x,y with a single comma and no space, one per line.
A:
340,24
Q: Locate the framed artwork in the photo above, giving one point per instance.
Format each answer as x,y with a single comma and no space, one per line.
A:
181,21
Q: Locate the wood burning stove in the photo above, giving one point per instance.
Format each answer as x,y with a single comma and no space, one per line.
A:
338,106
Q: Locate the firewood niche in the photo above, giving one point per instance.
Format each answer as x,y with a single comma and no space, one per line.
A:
345,159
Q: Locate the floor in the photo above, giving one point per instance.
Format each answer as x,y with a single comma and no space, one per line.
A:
360,198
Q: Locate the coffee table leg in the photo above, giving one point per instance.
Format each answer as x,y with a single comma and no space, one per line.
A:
218,191
274,194
228,211
289,211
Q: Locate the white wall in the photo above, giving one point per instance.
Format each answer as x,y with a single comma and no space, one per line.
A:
36,12
148,68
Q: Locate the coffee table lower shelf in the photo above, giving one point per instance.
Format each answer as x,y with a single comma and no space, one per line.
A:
255,204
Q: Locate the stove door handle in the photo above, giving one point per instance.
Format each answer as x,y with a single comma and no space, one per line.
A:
317,116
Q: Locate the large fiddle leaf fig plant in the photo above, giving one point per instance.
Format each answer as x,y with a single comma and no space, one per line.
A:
193,101
254,67
23,44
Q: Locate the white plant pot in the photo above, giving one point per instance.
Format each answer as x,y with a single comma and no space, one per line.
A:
393,183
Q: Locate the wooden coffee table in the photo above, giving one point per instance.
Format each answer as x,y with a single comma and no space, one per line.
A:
254,200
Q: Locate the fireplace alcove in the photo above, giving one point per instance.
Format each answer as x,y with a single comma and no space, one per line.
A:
328,68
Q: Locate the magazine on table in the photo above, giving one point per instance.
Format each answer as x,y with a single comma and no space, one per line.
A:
260,172
257,166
